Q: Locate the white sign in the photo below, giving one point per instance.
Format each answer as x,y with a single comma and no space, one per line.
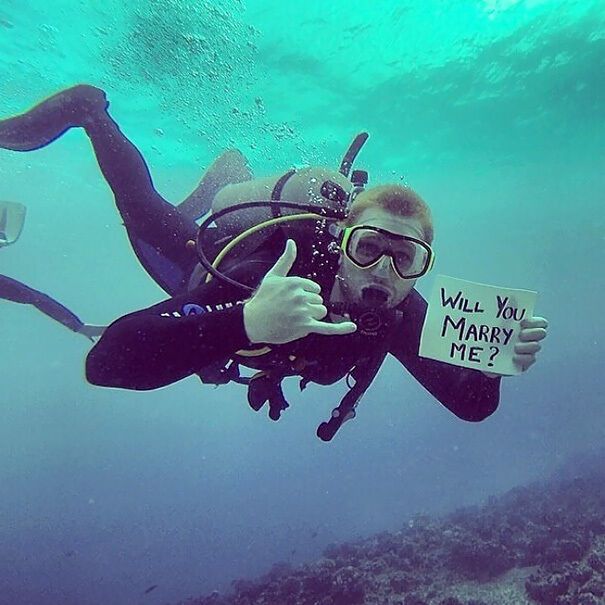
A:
474,325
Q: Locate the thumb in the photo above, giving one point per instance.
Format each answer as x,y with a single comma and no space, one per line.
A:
284,263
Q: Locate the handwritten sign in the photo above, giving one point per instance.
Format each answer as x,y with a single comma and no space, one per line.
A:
474,325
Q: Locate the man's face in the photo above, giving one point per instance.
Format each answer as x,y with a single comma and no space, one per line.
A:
361,285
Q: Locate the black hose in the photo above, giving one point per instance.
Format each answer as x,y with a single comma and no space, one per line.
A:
320,211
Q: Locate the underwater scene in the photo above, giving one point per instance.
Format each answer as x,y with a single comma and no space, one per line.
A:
302,302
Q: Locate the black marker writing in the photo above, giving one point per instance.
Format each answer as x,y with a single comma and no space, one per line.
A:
460,302
508,312
467,330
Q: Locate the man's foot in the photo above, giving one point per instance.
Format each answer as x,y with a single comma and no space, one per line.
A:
230,167
49,119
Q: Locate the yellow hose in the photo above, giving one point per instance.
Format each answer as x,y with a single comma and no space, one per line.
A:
234,242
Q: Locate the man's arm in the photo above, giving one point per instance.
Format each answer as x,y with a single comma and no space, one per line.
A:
467,393
165,343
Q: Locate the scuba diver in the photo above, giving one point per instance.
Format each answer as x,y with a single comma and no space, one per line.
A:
306,274
12,217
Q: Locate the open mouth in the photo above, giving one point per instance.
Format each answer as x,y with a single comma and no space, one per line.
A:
375,296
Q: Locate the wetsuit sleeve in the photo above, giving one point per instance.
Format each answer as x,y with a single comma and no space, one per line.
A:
466,392
165,343
13,290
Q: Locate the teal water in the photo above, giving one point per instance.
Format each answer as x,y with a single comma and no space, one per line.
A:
493,110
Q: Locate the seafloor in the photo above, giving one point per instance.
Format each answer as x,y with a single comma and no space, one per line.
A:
542,543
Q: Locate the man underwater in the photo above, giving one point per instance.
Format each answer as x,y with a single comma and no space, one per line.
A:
291,316
12,217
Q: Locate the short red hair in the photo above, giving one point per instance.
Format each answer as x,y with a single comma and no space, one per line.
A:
399,200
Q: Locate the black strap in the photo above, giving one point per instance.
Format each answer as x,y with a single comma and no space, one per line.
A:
277,189
346,409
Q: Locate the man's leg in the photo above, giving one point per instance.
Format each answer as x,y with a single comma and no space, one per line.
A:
230,167
15,291
157,231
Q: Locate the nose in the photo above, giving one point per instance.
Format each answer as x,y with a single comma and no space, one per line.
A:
383,267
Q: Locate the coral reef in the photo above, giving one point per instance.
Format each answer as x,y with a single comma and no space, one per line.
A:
543,543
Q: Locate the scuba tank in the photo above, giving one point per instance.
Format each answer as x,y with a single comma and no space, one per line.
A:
313,186
314,191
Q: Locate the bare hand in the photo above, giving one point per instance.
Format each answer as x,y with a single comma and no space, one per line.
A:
533,330
286,308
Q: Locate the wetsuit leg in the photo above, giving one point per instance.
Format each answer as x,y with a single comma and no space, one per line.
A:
157,231
230,167
51,118
15,291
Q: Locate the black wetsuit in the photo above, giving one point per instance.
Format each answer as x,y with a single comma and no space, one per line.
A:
176,338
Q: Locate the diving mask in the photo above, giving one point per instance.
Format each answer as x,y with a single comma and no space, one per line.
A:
365,245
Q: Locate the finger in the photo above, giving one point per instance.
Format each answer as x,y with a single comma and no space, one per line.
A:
534,322
314,299
530,334
336,329
284,263
318,311
308,285
524,361
527,348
